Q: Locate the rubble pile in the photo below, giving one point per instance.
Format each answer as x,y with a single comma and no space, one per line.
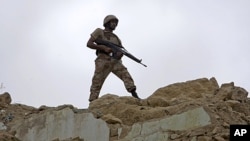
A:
197,110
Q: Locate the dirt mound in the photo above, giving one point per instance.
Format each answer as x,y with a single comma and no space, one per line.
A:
226,105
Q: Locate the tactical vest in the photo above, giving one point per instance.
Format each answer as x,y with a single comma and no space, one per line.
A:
108,36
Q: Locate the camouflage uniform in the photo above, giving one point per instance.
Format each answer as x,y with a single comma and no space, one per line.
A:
104,64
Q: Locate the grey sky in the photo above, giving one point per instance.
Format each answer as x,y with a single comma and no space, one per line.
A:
45,61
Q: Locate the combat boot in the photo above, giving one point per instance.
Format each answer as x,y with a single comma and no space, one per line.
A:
134,94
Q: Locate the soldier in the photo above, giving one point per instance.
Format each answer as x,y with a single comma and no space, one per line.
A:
108,61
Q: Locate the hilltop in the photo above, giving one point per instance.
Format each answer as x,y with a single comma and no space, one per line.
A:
196,110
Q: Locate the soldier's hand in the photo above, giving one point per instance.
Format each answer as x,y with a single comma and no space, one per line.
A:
119,55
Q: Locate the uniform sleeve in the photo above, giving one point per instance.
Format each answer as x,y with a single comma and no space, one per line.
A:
97,33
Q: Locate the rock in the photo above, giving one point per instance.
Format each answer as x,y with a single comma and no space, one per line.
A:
191,89
239,94
204,138
70,139
7,137
62,124
196,110
2,126
110,119
218,138
225,92
5,99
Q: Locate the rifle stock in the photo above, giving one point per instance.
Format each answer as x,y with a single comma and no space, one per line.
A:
119,48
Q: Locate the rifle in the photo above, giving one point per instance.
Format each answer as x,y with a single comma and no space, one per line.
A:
116,48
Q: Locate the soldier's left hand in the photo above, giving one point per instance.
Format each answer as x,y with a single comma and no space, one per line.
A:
119,55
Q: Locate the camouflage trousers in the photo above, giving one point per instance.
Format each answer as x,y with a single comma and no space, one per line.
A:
104,64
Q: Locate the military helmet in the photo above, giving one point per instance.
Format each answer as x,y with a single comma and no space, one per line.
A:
108,18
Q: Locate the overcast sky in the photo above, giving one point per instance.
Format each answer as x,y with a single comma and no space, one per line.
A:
45,61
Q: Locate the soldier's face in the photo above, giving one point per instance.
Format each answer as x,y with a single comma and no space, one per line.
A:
113,24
